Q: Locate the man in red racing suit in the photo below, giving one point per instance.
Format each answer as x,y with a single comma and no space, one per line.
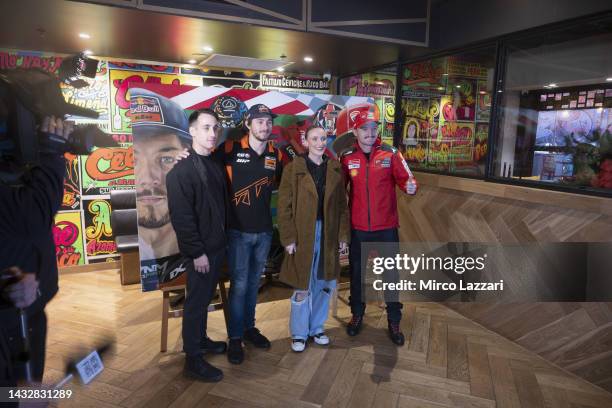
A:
372,170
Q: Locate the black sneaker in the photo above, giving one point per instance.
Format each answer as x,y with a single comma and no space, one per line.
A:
396,335
235,353
209,346
254,337
354,326
196,367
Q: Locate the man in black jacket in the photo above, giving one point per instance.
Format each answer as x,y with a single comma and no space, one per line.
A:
26,244
197,203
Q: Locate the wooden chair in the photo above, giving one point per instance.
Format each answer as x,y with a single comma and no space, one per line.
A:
168,313
125,229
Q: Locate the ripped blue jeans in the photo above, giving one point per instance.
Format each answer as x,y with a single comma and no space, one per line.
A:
309,309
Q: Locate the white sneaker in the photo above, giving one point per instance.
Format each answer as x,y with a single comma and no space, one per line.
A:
321,339
298,345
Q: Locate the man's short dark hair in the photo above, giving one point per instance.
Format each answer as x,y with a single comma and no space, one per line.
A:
313,127
204,111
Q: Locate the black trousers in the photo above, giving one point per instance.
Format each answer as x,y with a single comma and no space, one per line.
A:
200,290
12,369
394,309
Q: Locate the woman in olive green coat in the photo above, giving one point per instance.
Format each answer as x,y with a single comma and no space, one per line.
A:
313,224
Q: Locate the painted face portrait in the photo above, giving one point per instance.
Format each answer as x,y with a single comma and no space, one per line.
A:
154,158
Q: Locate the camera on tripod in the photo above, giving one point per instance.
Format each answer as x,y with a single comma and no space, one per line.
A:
29,95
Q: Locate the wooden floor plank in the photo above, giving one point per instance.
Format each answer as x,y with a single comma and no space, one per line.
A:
438,337
506,394
320,384
457,357
448,360
480,373
529,392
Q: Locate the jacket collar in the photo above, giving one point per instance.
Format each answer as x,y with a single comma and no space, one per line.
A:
306,158
332,176
244,143
376,145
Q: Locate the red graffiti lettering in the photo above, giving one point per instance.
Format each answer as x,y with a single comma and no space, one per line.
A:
95,247
65,233
69,258
421,72
122,87
123,138
121,182
460,135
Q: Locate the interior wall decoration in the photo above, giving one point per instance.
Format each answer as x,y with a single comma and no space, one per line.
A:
161,264
446,105
91,178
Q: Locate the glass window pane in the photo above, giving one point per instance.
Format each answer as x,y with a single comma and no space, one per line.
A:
556,109
446,108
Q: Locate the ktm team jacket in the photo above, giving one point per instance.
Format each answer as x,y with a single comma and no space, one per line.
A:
252,178
372,185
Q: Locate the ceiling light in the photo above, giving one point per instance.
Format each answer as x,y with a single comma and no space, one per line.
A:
208,48
192,61
85,36
482,92
308,59
440,88
445,74
280,69
88,52
457,86
552,85
609,79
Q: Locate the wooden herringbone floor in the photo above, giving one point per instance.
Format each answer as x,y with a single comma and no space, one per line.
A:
449,361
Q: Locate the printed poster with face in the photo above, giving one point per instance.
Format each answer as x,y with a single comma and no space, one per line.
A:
120,80
159,122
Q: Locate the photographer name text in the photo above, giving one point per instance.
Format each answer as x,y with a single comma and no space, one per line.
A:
433,285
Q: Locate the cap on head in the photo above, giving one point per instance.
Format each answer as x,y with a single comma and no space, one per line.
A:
155,113
365,116
258,111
